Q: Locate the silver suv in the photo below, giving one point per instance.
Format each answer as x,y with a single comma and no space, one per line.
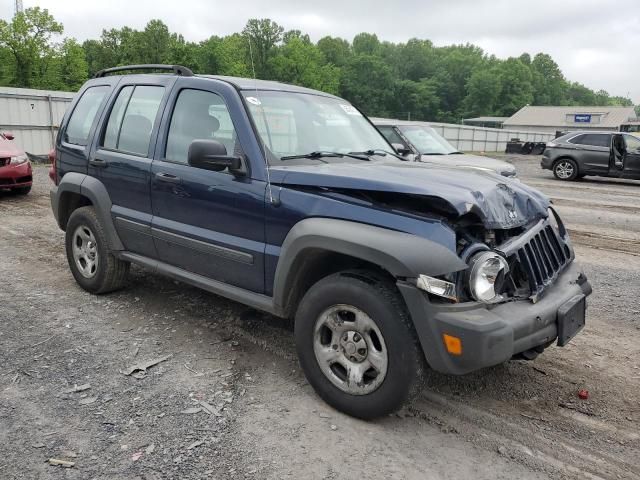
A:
605,154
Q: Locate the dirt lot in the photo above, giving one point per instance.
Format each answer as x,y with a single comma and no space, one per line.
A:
231,402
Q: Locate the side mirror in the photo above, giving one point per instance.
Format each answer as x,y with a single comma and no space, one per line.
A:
401,149
212,155
8,135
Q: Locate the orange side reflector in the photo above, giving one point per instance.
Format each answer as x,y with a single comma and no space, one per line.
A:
453,344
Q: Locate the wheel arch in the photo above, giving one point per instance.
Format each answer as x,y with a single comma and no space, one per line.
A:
318,247
78,190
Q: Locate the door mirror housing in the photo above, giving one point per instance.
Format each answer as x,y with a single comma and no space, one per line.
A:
8,135
401,149
212,155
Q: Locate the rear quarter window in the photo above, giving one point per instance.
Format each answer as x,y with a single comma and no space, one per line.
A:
84,114
592,139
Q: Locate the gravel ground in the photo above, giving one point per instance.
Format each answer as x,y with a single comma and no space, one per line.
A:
229,400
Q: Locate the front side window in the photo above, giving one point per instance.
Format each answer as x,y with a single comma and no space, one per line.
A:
427,141
633,143
291,124
83,116
132,119
392,136
199,115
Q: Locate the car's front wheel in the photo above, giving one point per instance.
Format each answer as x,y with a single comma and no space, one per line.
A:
91,262
356,344
565,169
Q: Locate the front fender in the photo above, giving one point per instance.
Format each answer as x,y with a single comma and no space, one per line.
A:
401,254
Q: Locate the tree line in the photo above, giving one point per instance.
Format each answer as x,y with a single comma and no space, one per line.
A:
415,79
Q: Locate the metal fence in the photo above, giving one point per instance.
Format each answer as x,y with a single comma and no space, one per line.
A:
480,139
33,116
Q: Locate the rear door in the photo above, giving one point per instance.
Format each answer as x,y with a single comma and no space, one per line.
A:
593,152
209,223
123,151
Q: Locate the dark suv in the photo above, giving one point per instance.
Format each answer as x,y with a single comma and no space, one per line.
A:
605,154
289,200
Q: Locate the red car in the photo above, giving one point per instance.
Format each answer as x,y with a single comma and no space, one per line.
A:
15,168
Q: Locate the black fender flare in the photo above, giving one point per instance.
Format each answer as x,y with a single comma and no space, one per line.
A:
96,192
401,254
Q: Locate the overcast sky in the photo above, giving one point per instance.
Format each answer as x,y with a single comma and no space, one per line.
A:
595,42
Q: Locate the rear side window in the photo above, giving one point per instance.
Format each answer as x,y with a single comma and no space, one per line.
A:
77,131
596,140
132,119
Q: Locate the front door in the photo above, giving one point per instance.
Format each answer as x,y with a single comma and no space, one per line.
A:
209,223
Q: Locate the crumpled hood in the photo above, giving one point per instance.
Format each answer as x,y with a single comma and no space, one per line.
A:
464,160
498,201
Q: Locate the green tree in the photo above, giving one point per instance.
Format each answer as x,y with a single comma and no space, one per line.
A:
516,88
336,51
368,83
549,85
483,93
366,44
29,39
73,65
263,35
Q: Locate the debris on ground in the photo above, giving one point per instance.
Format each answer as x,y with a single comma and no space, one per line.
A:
583,394
136,456
78,388
191,411
143,366
195,445
87,400
61,463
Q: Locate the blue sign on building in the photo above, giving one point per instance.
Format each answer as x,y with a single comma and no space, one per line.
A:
582,118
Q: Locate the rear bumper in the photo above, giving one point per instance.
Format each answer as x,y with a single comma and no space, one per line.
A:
16,176
547,162
490,335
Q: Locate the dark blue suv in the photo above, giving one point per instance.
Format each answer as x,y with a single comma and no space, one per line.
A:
290,201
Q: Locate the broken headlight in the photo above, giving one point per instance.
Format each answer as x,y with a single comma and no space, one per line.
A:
486,275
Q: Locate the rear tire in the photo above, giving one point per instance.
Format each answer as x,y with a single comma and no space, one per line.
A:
371,363
91,262
565,169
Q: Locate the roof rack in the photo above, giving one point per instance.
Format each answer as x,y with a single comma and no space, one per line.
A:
177,69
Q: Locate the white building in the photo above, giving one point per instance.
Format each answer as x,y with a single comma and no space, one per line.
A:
553,119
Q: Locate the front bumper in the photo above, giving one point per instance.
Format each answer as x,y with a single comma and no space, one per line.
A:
490,334
16,176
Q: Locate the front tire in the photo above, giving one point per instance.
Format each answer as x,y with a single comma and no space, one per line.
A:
91,262
357,345
565,169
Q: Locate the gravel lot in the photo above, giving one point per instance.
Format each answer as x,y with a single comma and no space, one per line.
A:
229,400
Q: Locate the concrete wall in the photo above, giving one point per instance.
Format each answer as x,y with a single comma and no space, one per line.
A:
33,116
467,138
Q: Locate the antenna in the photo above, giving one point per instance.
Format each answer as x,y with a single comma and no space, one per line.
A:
19,8
264,146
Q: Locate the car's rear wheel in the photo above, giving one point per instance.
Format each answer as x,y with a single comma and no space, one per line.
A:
565,169
356,344
91,262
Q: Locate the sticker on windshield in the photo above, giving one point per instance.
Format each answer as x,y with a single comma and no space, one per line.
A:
254,101
350,110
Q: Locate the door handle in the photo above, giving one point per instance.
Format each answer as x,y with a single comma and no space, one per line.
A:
167,177
98,162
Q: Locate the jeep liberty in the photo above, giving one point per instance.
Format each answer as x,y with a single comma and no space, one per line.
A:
290,201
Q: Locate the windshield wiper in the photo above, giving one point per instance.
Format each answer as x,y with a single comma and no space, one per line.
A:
377,151
315,155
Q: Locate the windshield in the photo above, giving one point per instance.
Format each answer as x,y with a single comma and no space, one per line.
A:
292,124
426,140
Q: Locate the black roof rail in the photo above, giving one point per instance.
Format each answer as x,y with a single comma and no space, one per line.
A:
177,69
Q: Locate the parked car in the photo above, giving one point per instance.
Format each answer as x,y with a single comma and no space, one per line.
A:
420,142
604,154
287,200
15,168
